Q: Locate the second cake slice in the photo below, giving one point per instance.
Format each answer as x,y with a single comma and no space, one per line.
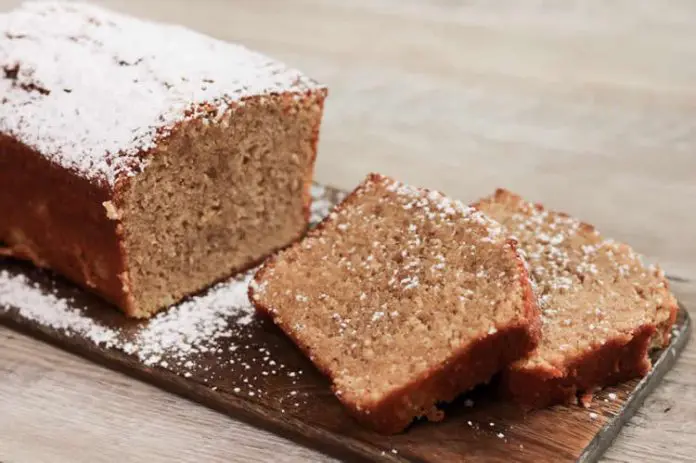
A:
602,308
404,298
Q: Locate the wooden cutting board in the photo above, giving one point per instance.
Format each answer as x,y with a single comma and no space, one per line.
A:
213,349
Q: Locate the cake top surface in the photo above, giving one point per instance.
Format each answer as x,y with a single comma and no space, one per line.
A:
91,89
392,285
590,289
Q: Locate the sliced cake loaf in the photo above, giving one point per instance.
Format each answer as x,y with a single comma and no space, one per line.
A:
602,309
146,161
404,298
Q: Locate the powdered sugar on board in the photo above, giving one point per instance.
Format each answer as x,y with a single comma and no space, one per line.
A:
90,89
192,326
191,339
18,291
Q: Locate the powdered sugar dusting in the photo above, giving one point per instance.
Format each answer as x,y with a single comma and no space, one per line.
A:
192,339
434,203
57,59
17,291
195,325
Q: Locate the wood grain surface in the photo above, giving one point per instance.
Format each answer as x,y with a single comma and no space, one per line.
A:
587,106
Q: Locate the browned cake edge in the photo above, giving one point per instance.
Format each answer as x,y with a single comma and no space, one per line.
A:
619,359
471,365
84,244
55,219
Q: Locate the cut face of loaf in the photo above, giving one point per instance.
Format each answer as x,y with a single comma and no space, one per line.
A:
146,161
404,298
602,309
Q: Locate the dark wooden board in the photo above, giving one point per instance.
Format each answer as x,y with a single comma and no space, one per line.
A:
254,373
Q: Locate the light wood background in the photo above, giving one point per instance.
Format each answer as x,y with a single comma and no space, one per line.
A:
588,106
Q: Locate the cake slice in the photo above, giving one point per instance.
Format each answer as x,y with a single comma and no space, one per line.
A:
404,298
146,161
602,308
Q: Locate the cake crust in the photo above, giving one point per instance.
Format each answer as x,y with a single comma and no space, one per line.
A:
468,364
619,359
602,308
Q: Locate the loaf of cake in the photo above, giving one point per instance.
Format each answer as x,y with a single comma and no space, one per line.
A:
146,161
404,298
602,308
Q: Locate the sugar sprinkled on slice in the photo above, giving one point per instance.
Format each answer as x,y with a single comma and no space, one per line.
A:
381,273
434,203
573,266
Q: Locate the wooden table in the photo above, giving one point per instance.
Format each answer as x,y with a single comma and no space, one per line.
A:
588,106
